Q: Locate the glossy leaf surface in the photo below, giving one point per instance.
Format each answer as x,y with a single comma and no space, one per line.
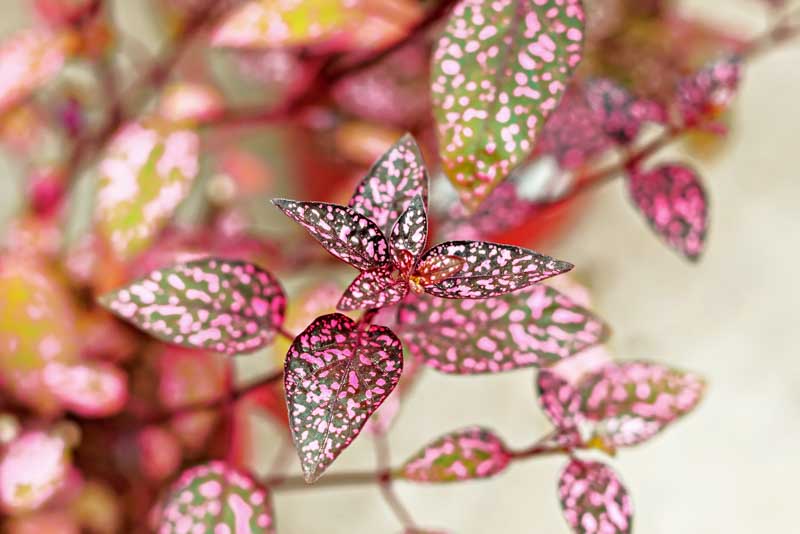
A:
594,499
336,375
146,172
674,202
376,288
534,327
499,70
216,498
633,401
220,305
465,454
491,269
348,235
391,185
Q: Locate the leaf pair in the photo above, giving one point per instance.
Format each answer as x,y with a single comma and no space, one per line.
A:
623,404
383,232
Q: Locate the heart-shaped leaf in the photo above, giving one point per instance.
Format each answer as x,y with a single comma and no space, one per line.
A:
465,454
376,288
673,200
337,374
534,327
491,269
594,499
28,60
147,171
709,91
499,70
221,305
215,497
348,235
633,401
392,183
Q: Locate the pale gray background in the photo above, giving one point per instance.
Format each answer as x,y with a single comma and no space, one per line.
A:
731,467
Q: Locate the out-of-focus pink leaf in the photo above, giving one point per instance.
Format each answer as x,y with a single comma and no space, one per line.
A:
33,468
28,60
63,12
220,305
376,288
89,389
674,202
531,328
465,454
337,374
215,497
709,90
499,70
190,102
159,452
491,269
594,499
348,235
558,399
633,401
390,186
146,173
618,111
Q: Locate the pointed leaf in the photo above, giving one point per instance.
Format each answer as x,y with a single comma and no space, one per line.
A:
146,173
410,232
531,328
499,70
392,184
558,399
437,268
374,289
491,269
28,60
220,305
673,200
633,401
594,499
215,497
346,234
337,374
465,454
710,90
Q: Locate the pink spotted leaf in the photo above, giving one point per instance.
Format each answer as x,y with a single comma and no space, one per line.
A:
465,454
89,389
410,232
490,269
337,373
631,402
618,111
535,327
376,288
220,305
709,90
215,497
593,499
558,399
674,202
392,184
345,233
499,70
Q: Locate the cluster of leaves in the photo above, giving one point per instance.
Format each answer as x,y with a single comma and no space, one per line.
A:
517,129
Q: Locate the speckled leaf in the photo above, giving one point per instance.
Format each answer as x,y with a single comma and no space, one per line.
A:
674,202
348,235
436,268
633,401
558,399
336,375
491,269
709,91
465,454
499,70
534,327
145,174
410,232
216,498
618,111
28,60
89,389
376,288
220,305
392,184
33,468
594,500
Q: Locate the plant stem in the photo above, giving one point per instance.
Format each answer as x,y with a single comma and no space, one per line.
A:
383,459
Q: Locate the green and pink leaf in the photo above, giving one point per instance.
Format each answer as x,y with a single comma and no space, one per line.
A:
594,500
